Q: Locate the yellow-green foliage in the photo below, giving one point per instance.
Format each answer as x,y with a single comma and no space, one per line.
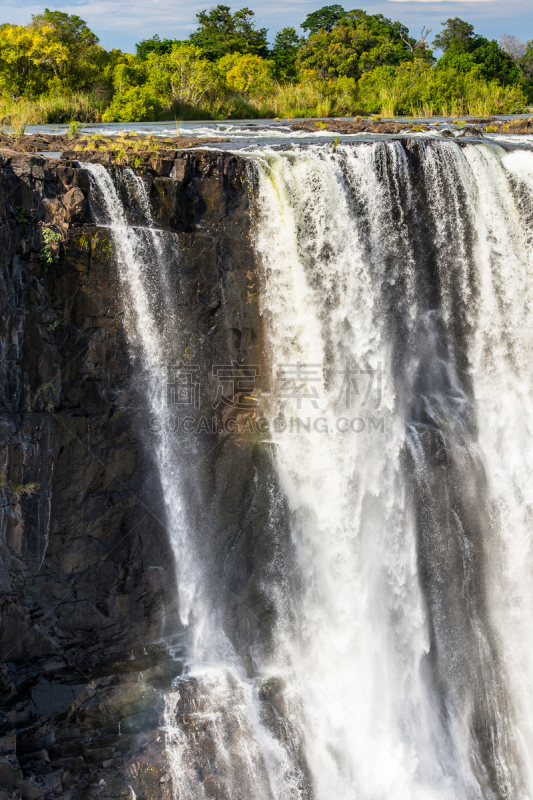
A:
147,780
100,247
144,89
249,74
47,254
54,54
29,59
19,490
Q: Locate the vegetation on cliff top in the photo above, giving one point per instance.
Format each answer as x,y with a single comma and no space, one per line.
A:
54,70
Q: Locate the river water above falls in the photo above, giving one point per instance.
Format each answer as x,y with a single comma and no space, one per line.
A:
276,133
397,303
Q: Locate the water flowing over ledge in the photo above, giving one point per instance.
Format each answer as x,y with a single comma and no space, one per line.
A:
399,660
311,576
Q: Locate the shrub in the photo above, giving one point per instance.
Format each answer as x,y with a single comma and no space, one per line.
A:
135,104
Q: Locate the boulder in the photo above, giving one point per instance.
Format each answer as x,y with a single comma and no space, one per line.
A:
74,204
470,131
52,699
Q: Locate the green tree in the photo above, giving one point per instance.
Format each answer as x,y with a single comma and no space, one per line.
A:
465,50
85,58
488,59
324,19
494,63
222,32
526,62
184,74
359,42
134,104
526,70
246,74
30,60
457,36
155,45
68,28
128,73
284,54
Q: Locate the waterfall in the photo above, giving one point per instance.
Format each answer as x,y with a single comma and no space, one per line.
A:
225,703
397,301
151,323
405,645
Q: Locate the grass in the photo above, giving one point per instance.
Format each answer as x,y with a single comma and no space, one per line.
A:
402,94
49,110
283,101
18,490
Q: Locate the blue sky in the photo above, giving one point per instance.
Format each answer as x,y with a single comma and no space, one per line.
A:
121,23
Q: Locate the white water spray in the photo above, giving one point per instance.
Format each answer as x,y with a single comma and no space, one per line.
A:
351,244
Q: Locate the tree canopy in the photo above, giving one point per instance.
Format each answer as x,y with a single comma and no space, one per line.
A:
55,52
465,50
324,19
220,32
285,54
69,29
357,43
457,35
155,45
349,61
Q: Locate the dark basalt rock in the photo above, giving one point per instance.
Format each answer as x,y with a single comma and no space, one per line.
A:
470,131
87,586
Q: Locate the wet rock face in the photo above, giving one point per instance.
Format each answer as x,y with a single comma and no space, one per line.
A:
87,587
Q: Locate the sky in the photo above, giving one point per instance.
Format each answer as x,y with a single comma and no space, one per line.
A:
122,23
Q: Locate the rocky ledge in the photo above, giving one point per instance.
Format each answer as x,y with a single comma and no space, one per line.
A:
127,144
470,127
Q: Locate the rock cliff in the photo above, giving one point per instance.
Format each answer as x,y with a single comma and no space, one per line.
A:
87,586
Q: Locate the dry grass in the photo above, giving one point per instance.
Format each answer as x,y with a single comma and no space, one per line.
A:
49,110
18,490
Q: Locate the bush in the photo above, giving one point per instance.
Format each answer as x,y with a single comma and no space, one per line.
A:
249,75
135,104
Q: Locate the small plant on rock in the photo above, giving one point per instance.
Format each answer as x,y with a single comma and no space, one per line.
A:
74,129
44,387
19,490
47,254
21,215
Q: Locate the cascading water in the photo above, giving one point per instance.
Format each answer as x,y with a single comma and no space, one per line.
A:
225,703
408,644
398,305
